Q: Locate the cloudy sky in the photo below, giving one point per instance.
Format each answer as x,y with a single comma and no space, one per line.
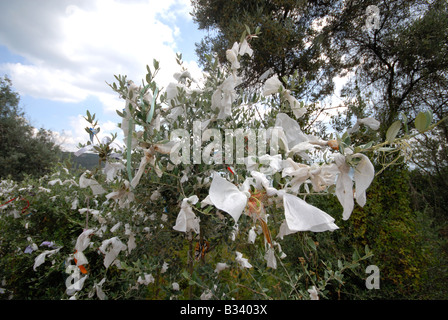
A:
59,55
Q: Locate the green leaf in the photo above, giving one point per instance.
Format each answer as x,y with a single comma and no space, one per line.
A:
393,131
355,256
421,122
312,244
155,64
208,209
185,274
247,29
367,249
347,141
429,117
191,282
368,145
404,119
120,113
243,36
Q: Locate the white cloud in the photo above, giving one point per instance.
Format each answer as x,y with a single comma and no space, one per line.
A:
74,47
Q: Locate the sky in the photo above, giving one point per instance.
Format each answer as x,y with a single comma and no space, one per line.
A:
60,55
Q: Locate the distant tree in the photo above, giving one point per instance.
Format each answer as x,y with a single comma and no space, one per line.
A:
401,68
287,43
24,151
400,64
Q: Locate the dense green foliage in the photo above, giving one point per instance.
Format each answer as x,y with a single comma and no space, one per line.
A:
23,151
52,216
87,161
285,27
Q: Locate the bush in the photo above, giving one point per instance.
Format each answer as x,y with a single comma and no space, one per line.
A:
146,224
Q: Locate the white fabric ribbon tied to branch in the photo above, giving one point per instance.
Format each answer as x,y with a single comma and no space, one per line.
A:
85,182
363,177
299,215
186,220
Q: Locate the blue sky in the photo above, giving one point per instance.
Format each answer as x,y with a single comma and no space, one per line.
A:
59,55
